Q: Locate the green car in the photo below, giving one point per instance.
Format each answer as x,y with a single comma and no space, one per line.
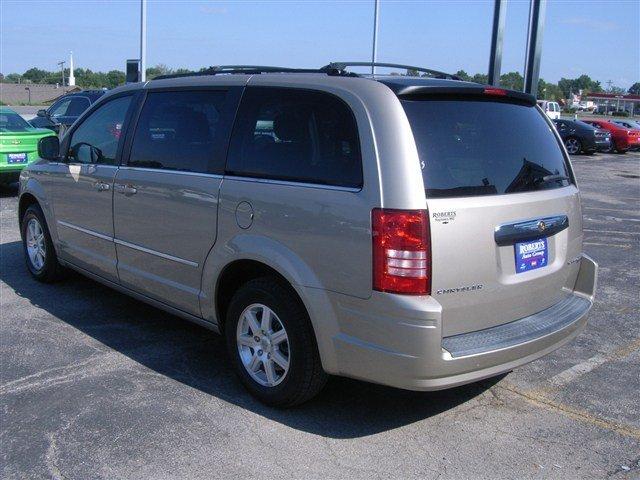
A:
18,144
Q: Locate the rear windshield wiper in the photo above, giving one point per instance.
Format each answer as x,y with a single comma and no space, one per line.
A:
551,178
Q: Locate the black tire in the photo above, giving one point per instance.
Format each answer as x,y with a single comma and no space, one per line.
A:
51,269
611,149
576,143
305,376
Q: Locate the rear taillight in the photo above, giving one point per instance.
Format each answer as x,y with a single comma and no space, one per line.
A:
401,251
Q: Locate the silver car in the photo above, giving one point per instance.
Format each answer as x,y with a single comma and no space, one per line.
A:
417,232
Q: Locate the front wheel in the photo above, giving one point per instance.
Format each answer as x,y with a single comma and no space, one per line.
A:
271,343
40,255
573,145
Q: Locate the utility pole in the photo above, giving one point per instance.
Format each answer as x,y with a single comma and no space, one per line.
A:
143,40
374,52
62,70
609,83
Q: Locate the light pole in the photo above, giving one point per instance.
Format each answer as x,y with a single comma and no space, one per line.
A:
143,40
374,51
62,70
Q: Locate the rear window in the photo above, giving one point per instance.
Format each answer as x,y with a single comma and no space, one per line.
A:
12,122
480,147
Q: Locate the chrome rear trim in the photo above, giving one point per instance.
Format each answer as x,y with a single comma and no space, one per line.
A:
510,233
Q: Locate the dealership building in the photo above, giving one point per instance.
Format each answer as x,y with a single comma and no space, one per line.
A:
612,102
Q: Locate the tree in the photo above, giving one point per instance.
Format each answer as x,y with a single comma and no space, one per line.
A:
574,85
462,75
35,75
13,78
160,69
512,80
635,89
480,78
616,90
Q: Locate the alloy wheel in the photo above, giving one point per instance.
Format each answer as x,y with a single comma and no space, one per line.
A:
36,246
263,345
573,146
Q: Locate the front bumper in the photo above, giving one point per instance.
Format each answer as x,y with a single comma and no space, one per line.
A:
404,347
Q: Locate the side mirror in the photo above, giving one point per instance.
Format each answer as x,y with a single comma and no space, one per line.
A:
86,153
49,148
41,113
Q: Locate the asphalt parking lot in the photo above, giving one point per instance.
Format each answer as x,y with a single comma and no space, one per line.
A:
95,384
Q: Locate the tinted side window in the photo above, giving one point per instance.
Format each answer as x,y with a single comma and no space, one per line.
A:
97,138
295,135
176,130
60,108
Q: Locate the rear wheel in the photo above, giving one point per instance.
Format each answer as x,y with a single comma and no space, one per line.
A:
40,255
271,343
573,145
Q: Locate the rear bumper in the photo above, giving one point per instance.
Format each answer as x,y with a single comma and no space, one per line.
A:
402,345
602,145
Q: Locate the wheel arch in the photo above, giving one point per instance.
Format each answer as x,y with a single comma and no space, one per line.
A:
26,200
237,273
32,193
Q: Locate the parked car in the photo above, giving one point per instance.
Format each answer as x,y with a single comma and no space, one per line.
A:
66,110
580,137
622,139
392,229
552,109
18,144
630,124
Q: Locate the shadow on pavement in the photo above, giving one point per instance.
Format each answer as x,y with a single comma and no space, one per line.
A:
196,357
8,190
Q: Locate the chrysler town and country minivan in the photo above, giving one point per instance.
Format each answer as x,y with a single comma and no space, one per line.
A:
418,232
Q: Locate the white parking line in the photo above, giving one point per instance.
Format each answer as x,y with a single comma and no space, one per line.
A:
618,232
570,374
624,245
574,372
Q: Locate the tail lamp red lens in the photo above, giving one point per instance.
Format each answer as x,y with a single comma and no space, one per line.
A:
401,251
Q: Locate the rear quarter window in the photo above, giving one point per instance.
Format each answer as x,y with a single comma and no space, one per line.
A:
295,135
479,147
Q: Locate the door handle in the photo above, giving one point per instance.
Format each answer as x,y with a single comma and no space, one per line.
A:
127,189
101,186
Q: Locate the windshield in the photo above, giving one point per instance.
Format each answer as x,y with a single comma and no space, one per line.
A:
480,147
12,122
585,124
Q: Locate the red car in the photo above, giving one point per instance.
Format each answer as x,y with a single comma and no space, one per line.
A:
622,139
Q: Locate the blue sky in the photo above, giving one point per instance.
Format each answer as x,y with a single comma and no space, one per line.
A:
600,38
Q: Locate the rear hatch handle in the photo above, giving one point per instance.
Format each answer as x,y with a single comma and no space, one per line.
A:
510,233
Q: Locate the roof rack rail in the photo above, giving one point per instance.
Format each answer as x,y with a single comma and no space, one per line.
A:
255,70
341,66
